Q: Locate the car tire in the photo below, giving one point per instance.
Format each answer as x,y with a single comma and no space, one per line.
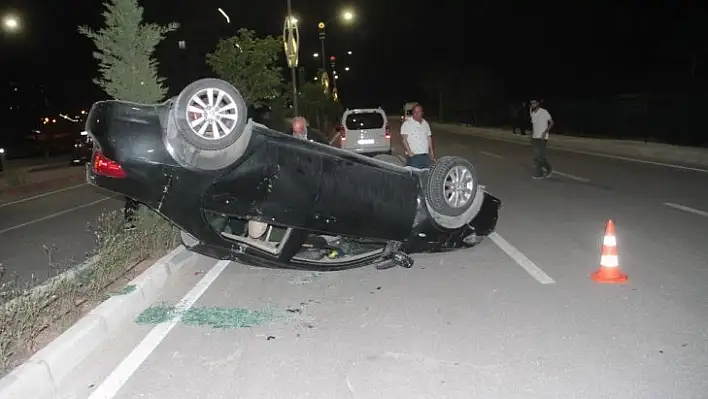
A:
451,186
184,141
218,98
388,158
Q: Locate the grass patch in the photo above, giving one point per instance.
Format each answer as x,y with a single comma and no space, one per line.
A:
29,319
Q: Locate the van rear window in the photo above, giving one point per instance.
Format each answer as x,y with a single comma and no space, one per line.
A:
368,120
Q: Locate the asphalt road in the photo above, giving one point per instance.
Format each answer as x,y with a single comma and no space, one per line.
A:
465,324
41,236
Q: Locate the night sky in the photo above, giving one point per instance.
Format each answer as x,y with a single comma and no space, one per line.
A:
542,48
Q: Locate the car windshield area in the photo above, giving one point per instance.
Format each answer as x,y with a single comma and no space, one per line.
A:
368,120
316,249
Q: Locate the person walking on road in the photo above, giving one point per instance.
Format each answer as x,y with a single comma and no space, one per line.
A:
542,123
418,139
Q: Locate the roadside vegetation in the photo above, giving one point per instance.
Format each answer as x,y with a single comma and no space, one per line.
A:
31,315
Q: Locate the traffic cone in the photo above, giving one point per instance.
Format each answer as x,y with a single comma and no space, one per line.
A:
609,271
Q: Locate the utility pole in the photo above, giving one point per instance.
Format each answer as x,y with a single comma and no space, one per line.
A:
292,57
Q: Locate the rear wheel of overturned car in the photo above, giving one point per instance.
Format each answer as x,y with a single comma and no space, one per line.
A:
210,114
451,186
207,125
388,158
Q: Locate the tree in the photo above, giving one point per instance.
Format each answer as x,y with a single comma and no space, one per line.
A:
125,47
316,106
250,64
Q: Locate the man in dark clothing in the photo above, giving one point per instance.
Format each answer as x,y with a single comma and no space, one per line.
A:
520,118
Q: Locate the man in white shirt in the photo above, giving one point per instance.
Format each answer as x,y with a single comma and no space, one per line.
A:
417,139
542,124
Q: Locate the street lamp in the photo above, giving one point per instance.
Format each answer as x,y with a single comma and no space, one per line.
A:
315,55
348,15
10,23
349,52
346,68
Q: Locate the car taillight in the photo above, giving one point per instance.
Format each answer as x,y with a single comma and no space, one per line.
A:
388,132
106,167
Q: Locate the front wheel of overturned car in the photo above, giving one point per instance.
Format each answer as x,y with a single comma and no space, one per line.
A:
207,125
451,186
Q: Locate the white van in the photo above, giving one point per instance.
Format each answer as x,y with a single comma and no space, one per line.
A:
365,131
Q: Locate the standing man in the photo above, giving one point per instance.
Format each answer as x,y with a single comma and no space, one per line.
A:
299,127
517,116
542,123
417,139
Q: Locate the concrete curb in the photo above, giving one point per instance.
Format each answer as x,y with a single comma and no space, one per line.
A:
41,375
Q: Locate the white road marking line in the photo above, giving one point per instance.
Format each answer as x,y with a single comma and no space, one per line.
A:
526,263
120,376
42,195
619,157
53,215
572,177
491,154
668,165
686,209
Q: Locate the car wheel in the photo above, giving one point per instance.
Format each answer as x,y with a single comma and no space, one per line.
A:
389,159
451,186
207,126
210,114
188,240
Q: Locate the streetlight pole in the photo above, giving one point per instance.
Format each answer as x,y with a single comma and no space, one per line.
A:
323,35
292,57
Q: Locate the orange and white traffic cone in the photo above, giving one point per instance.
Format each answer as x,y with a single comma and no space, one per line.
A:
609,271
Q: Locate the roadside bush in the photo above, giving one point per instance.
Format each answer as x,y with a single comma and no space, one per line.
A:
26,314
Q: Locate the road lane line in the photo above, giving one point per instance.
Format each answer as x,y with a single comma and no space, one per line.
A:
526,263
572,177
42,195
120,376
597,154
53,215
686,209
621,158
491,154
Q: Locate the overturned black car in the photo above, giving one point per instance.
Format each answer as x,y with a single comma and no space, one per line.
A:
241,191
